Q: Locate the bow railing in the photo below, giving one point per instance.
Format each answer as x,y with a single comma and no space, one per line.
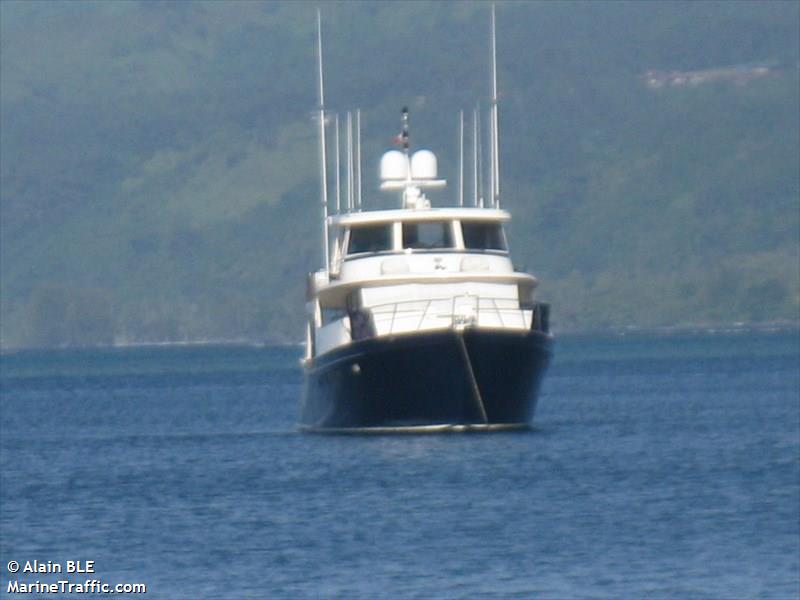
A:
451,312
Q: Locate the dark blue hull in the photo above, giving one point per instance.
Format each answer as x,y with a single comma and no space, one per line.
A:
475,378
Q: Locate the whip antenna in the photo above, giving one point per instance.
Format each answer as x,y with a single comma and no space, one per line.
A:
495,125
322,156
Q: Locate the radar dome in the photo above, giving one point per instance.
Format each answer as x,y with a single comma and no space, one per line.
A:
394,166
423,164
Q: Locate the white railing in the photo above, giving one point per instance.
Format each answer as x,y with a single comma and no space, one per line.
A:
458,311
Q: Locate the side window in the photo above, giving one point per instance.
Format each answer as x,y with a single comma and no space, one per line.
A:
426,235
329,315
370,238
483,236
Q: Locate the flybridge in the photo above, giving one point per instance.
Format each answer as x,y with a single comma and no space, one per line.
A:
407,172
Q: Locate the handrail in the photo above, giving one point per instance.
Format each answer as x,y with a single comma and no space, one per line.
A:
499,314
475,310
424,312
394,313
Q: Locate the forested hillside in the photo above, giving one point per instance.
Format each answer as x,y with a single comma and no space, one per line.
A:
158,161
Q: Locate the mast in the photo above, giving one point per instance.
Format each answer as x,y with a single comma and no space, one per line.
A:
338,170
350,191
475,157
490,191
322,155
481,191
461,158
495,125
358,158
404,136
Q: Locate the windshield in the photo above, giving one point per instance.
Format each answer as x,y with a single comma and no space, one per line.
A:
483,236
427,235
370,238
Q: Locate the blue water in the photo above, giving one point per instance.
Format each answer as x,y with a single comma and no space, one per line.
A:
659,467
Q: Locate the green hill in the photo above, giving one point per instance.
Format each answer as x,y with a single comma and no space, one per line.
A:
158,162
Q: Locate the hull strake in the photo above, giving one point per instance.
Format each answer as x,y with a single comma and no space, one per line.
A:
447,380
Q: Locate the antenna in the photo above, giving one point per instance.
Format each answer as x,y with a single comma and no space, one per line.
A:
349,161
461,158
338,170
475,157
358,158
490,192
495,118
322,156
480,160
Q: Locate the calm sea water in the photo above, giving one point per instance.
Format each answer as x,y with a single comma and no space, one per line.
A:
659,467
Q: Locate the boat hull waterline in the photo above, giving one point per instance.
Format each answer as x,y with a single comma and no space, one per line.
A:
446,380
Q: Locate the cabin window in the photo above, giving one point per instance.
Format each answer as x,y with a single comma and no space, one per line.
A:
329,315
483,236
370,238
427,235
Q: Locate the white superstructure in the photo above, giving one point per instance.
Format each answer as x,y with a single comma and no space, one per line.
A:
413,270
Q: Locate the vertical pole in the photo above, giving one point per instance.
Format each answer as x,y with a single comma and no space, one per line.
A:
495,119
461,158
480,162
338,170
349,161
322,155
358,158
475,157
406,143
490,194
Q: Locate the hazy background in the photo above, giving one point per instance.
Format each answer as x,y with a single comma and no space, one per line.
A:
159,166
